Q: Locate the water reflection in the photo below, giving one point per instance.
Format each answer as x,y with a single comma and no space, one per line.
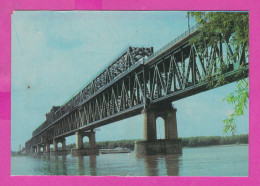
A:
151,165
58,165
90,164
93,165
81,166
206,161
172,163
46,157
158,165
64,164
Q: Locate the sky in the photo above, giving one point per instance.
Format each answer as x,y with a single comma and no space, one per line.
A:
54,53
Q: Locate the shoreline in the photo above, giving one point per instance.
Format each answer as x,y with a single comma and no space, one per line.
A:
197,141
236,144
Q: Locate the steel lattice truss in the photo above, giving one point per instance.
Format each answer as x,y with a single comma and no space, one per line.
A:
131,83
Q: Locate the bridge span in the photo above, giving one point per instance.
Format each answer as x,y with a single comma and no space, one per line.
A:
141,81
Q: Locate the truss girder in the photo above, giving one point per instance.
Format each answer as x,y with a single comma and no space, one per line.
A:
172,73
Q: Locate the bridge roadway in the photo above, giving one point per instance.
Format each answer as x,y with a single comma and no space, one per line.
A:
140,80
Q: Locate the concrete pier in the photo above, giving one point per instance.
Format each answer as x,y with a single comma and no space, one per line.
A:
38,150
46,149
150,145
56,151
143,148
80,150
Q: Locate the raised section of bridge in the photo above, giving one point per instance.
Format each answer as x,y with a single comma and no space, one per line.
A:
141,81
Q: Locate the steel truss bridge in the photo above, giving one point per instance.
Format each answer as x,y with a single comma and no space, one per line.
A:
139,78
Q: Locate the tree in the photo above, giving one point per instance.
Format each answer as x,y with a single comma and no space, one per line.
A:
232,26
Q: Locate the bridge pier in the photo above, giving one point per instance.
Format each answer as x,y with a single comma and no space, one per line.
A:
150,145
80,150
38,150
56,151
38,147
46,148
33,150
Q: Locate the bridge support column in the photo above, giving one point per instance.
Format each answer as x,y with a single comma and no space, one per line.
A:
149,125
80,150
150,145
34,150
79,140
46,149
64,144
38,150
56,151
31,150
170,124
92,139
55,145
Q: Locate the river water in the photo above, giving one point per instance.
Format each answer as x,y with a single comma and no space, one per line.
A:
227,160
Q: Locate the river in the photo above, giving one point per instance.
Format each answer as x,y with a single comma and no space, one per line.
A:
225,160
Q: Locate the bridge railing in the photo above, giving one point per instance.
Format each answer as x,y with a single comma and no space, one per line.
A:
173,42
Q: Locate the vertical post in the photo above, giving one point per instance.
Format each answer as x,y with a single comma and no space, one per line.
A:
47,147
171,125
183,69
78,140
92,139
188,15
144,91
220,49
64,144
193,67
149,125
38,148
55,147
145,125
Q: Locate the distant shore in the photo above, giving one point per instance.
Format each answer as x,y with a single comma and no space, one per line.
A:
198,141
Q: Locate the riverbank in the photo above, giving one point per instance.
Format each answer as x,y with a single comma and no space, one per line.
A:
197,141
214,140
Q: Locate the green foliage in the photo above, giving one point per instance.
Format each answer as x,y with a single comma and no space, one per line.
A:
232,27
186,142
214,140
238,98
229,25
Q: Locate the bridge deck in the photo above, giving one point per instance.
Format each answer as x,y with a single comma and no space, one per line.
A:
139,78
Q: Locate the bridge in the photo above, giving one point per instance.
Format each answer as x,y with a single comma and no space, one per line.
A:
141,81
